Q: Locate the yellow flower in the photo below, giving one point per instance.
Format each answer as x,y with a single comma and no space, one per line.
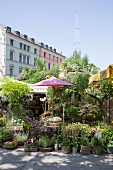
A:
112,122
2,120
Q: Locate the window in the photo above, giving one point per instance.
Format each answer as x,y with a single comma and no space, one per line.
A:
35,61
57,59
20,57
48,66
24,47
45,54
28,48
45,62
20,70
11,42
60,59
27,59
35,51
21,45
53,57
11,70
49,56
24,59
11,55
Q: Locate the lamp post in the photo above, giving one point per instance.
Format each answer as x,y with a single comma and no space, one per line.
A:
43,100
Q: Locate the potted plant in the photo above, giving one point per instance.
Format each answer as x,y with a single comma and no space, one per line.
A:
110,147
75,143
85,145
52,121
46,144
31,145
97,145
65,144
7,134
1,139
19,138
15,124
9,145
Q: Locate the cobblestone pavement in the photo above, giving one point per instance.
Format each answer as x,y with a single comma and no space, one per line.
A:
20,160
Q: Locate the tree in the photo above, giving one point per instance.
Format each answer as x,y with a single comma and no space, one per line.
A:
15,91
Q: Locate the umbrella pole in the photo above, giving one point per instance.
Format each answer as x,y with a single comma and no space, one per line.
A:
52,100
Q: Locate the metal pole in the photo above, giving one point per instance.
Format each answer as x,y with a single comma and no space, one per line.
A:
109,110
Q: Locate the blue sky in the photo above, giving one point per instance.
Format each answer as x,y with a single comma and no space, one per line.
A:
53,22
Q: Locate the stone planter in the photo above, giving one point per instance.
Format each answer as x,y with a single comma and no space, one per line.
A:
31,149
85,150
66,150
41,149
97,150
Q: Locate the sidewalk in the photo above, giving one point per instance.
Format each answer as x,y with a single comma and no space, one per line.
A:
20,160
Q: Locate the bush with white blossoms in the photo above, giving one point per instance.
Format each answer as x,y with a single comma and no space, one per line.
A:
52,119
15,122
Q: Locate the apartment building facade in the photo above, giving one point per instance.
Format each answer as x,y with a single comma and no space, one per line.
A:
18,51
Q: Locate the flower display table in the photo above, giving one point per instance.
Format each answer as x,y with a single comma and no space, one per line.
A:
52,124
14,127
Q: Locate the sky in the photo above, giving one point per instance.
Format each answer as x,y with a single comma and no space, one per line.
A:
53,22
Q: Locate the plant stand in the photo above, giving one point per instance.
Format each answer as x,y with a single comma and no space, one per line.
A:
8,137
31,149
15,128
52,124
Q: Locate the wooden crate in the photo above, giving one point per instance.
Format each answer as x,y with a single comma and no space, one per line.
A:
31,149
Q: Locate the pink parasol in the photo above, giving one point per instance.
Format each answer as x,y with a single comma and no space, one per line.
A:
53,81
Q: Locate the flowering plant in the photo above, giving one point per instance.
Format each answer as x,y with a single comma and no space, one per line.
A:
31,142
15,122
20,138
10,143
2,120
52,119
